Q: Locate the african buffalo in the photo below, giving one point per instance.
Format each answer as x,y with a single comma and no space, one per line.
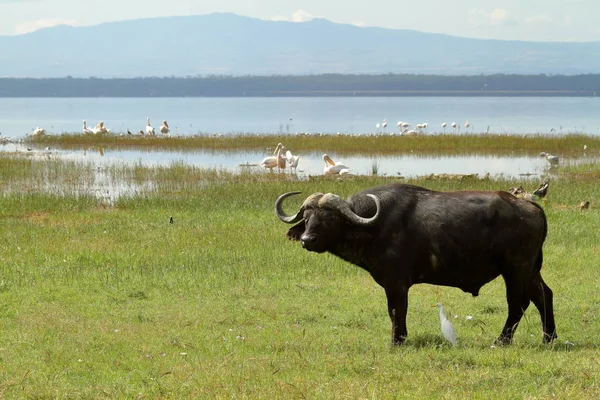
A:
404,235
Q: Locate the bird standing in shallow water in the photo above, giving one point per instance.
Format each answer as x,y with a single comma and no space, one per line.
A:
447,328
553,160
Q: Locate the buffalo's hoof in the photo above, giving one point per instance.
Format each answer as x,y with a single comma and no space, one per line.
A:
503,341
398,341
549,338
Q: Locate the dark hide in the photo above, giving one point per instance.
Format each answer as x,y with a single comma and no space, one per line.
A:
459,239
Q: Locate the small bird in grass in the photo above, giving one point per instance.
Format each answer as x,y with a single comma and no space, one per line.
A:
171,219
584,205
447,328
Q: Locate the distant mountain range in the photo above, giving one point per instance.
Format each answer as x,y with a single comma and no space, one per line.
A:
229,44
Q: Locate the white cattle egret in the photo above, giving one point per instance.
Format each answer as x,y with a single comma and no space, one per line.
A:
292,160
447,328
331,168
384,124
444,126
553,160
38,131
454,125
377,127
467,125
164,129
149,128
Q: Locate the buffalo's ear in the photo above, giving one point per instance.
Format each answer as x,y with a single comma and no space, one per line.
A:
296,231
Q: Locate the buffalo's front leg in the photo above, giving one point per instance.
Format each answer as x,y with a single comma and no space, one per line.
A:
397,299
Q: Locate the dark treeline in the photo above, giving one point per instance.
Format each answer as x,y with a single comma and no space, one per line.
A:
309,85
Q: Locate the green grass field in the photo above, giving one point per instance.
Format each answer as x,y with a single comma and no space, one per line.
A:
566,145
110,300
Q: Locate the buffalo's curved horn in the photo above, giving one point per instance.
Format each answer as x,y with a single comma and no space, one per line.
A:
331,200
311,200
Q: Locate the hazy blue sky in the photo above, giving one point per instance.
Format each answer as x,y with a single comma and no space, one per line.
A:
540,20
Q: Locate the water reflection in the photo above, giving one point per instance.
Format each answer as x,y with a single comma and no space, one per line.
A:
310,163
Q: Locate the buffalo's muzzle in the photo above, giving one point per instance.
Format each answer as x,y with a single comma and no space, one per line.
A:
308,241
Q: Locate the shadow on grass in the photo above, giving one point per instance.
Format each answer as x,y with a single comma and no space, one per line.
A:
433,341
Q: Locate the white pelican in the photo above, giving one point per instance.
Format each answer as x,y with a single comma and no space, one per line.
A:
292,160
281,160
85,128
164,129
444,126
553,160
149,128
453,125
276,160
38,131
399,125
101,128
331,168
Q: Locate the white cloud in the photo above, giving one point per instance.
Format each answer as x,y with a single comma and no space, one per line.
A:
32,26
297,16
498,16
539,19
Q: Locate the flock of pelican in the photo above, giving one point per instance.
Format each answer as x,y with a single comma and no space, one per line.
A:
283,157
420,128
100,128
279,160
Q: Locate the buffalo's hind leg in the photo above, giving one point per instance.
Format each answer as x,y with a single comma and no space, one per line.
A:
397,299
541,295
518,301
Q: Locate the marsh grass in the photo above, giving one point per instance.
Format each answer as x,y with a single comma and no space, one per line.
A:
501,144
114,301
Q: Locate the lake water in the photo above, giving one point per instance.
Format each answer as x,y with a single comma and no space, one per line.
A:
19,116
311,163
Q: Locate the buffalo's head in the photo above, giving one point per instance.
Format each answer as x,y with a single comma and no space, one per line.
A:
324,218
